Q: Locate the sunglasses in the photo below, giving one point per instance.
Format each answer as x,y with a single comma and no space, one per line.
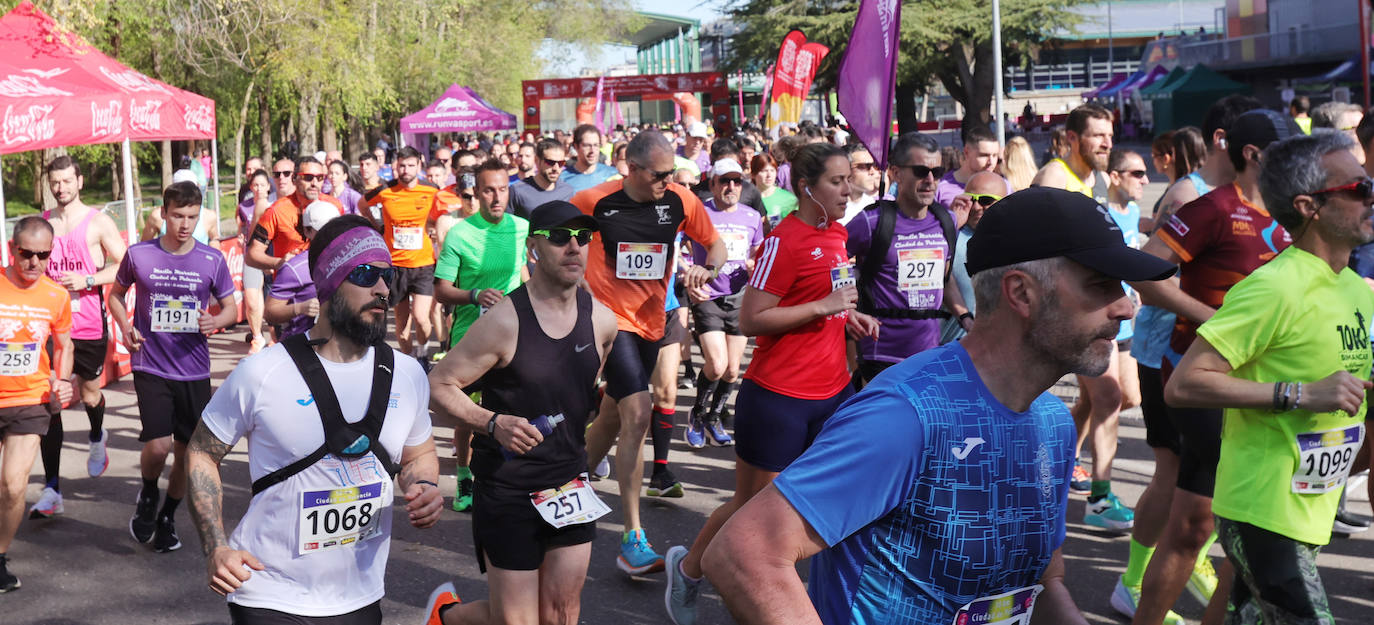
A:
727,181
865,166
561,236
1361,190
921,171
312,177
984,199
654,176
29,254
552,163
367,275
283,174
468,196
1134,173
443,160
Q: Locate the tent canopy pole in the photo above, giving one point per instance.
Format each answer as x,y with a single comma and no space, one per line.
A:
4,228
130,206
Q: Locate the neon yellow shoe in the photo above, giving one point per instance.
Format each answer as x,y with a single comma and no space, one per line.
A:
1203,582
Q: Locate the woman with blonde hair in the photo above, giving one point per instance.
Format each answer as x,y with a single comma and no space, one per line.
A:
1018,166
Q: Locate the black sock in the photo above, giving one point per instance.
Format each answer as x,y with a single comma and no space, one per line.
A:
169,507
661,431
149,489
96,414
688,371
50,450
703,400
721,394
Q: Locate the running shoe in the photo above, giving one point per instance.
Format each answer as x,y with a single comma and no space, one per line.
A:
1203,580
98,459
443,596
1082,482
8,581
144,523
1109,513
462,497
165,538
637,556
49,503
686,383
1347,523
716,434
603,470
664,484
1125,598
256,345
680,597
694,433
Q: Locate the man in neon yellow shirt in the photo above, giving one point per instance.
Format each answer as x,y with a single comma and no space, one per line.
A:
1288,357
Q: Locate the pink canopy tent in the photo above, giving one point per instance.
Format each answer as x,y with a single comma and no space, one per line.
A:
459,109
57,90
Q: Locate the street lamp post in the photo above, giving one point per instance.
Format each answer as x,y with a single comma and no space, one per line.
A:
997,73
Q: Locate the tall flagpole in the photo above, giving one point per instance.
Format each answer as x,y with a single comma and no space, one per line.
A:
997,73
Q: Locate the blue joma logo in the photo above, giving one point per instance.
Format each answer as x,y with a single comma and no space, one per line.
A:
309,399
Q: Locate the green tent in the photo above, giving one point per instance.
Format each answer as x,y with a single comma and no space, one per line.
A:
1184,102
1148,91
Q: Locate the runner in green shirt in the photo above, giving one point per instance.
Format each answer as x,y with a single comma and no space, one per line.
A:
777,202
483,259
1288,358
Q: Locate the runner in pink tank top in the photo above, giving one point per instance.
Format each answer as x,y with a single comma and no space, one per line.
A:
71,254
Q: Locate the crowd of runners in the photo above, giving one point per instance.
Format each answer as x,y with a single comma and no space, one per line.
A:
893,424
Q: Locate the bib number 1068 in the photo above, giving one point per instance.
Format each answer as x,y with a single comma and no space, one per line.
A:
334,519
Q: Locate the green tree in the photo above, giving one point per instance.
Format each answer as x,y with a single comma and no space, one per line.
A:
949,41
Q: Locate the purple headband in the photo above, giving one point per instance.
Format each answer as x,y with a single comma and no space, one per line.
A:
359,246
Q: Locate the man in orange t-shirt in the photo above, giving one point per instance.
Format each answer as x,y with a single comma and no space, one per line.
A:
280,223
33,309
628,267
408,213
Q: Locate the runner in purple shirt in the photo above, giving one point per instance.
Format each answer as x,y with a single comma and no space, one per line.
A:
715,305
177,281
292,301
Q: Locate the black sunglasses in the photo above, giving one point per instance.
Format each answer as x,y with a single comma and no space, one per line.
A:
921,171
312,177
553,163
561,236
367,275
283,174
29,254
656,176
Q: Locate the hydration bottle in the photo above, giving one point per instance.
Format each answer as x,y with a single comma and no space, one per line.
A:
544,423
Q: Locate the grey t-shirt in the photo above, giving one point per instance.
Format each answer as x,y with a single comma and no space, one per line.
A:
525,196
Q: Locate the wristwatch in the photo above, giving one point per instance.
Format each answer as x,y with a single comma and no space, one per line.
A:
491,425
90,282
712,269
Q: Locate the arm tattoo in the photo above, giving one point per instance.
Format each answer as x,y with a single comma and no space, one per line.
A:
204,488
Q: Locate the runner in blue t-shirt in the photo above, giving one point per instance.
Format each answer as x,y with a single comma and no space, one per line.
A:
938,493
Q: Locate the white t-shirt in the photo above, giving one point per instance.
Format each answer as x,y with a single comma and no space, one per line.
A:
266,400
856,206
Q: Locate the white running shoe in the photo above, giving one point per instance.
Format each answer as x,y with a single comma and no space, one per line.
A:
98,459
49,503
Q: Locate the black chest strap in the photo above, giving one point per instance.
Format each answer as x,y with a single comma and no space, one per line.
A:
341,438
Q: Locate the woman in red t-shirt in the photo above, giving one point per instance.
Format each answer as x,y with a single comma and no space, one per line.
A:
800,297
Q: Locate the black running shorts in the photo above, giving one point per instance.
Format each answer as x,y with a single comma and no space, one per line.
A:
412,280
88,357
629,365
169,407
1159,430
718,315
509,532
366,615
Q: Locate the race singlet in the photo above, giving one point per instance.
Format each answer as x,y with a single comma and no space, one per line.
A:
18,359
334,517
569,504
641,261
1324,459
1008,608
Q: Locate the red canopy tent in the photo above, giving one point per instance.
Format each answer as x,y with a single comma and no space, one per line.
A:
57,90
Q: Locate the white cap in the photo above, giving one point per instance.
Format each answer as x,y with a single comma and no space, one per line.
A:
725,167
697,129
318,213
322,157
184,175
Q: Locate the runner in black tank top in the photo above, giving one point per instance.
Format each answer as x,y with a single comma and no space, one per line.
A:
537,353
547,376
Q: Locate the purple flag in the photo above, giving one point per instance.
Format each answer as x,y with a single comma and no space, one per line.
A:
868,74
600,123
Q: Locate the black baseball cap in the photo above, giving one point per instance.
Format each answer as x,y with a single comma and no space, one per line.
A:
1041,222
1258,127
560,214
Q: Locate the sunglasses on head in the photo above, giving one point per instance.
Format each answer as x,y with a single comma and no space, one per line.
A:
983,199
921,171
283,174
312,177
29,254
366,276
561,236
1361,190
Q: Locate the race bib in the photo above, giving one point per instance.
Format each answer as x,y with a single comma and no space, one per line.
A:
569,504
841,277
641,261
339,517
1011,608
1324,459
407,238
76,302
921,269
736,246
18,359
175,315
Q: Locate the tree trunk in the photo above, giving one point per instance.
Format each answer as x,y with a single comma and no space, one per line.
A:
978,104
38,182
43,194
265,127
166,164
357,143
906,106
329,131
310,121
115,179
238,137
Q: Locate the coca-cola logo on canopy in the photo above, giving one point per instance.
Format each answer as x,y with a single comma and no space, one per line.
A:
27,124
145,116
133,81
199,118
18,86
107,121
